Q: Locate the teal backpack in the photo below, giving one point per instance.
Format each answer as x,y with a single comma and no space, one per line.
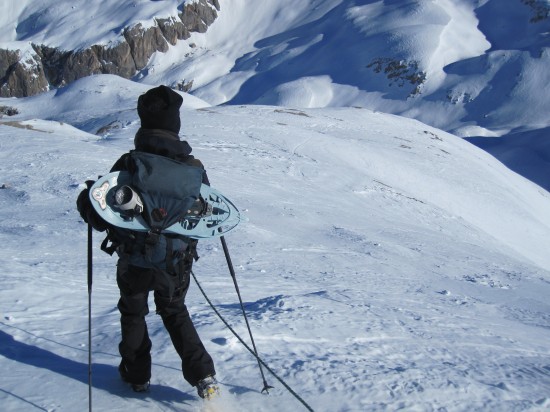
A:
168,189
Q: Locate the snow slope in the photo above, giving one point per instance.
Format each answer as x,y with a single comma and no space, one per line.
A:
478,68
384,264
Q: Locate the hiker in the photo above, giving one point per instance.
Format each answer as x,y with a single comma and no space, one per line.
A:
166,270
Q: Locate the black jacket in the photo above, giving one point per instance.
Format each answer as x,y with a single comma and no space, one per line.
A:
163,143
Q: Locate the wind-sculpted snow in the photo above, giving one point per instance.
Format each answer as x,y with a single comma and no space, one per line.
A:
384,264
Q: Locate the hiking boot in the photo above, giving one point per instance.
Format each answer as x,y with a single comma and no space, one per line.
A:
207,388
140,387
136,387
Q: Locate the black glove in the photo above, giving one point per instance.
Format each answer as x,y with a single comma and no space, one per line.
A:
87,211
83,201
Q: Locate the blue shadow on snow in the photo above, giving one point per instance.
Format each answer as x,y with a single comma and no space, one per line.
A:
104,377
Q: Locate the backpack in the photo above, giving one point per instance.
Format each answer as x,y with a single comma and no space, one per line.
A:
167,189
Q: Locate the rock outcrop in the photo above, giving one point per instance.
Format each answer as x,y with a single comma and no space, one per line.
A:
21,72
29,73
400,73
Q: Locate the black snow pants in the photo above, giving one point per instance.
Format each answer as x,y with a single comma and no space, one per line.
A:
135,283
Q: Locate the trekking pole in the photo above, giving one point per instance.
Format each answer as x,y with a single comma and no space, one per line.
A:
232,271
90,317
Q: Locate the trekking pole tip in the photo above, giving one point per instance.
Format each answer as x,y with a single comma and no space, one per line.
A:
267,388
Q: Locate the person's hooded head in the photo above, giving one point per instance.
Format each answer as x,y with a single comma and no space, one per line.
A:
159,108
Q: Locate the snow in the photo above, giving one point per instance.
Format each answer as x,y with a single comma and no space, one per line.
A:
384,264
74,25
485,62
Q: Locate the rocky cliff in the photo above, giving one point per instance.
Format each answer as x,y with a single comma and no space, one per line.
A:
26,73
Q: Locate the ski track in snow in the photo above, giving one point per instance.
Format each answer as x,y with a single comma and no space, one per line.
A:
363,293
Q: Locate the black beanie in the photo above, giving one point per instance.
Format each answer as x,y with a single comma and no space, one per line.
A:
159,108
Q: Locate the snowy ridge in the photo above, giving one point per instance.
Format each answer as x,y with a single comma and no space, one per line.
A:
384,265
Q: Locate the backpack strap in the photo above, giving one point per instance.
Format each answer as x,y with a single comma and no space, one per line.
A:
151,240
114,243
122,240
191,252
169,256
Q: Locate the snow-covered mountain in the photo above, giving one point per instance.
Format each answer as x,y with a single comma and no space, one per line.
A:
385,264
475,68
